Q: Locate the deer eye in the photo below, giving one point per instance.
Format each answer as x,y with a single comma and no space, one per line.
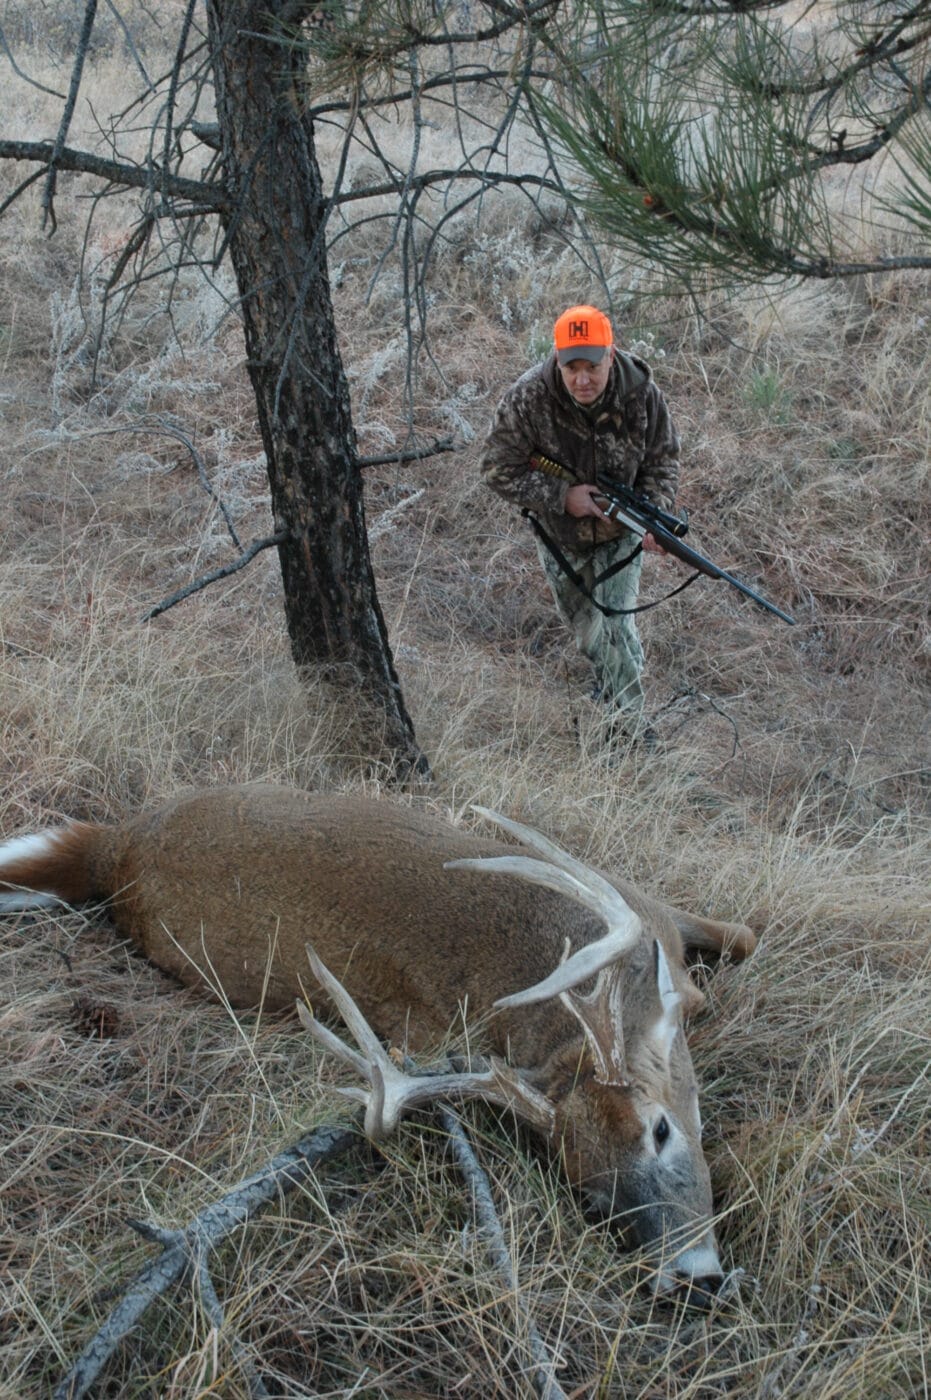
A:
660,1131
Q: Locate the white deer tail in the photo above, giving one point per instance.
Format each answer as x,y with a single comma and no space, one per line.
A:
47,868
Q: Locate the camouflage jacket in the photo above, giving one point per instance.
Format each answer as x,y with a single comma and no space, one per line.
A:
629,436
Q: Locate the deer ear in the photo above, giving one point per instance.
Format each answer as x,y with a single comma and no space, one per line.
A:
669,1021
713,936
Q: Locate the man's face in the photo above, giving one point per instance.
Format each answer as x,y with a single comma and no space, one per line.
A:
584,381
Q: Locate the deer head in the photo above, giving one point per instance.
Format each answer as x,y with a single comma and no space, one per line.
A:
618,1102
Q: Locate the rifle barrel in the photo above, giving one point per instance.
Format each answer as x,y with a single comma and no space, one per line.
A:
750,593
643,522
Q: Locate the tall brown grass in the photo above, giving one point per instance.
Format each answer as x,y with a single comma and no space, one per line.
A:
790,791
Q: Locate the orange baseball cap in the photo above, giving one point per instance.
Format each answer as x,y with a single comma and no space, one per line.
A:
582,333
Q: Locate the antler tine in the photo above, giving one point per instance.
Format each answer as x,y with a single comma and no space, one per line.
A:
382,1103
595,894
391,1090
553,853
600,1016
356,1023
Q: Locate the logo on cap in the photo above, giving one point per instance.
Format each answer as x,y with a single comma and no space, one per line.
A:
582,333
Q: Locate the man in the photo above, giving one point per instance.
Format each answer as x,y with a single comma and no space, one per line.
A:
594,411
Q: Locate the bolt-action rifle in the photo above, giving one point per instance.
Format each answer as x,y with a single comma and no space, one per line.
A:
629,508
642,517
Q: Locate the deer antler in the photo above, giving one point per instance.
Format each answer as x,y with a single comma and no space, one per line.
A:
392,1091
563,873
599,1015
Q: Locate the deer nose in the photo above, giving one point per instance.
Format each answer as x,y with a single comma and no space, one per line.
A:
697,1291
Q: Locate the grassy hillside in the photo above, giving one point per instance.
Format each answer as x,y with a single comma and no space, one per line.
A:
790,791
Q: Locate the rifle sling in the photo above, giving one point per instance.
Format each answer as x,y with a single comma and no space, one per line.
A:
577,580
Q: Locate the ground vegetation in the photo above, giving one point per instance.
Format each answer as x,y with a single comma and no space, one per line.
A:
790,790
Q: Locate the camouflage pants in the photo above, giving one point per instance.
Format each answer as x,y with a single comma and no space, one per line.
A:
611,644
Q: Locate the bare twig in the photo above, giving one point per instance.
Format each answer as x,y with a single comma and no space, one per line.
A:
48,196
544,1382
161,425
691,693
5,48
165,428
20,189
411,454
201,192
206,580
173,83
214,1310
130,42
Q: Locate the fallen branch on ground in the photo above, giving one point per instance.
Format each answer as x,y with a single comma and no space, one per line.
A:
187,1251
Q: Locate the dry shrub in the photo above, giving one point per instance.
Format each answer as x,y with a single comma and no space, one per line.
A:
790,791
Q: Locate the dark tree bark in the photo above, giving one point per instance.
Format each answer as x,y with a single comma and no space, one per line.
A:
276,234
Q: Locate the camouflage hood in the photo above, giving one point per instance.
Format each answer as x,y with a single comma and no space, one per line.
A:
628,435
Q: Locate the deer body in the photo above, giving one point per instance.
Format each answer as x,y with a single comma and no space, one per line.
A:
228,885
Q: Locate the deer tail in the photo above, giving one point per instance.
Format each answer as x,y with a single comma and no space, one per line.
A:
48,868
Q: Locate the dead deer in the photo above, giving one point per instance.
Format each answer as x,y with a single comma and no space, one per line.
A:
427,926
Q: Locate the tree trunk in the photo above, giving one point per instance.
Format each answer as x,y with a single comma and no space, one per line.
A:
277,244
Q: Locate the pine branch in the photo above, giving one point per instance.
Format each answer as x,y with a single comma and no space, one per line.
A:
864,151
739,192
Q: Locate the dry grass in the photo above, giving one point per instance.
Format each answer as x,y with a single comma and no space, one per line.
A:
792,791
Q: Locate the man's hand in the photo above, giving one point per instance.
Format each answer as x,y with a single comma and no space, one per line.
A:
580,501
